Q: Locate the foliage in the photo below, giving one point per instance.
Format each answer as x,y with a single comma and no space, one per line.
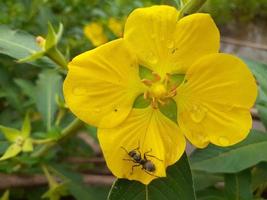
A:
35,87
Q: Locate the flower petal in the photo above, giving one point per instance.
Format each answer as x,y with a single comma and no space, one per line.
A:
166,45
102,84
214,102
150,130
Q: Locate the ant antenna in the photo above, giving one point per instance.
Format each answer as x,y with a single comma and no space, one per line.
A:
125,150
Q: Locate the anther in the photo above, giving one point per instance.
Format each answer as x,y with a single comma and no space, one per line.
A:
156,76
147,82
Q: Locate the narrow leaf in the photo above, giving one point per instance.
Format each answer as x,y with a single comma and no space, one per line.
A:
48,86
238,186
26,126
10,133
11,151
19,44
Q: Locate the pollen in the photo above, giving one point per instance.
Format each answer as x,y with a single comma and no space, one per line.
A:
158,90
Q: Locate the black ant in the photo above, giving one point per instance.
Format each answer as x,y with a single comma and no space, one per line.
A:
136,157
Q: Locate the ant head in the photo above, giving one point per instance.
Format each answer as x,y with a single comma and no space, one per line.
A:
149,166
132,153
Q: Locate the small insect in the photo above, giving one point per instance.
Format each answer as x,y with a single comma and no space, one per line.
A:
136,157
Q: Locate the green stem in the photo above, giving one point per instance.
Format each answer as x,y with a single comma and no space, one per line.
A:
55,55
191,7
70,130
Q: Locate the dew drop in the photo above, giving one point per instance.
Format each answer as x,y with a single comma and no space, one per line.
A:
152,58
224,141
200,136
79,91
198,113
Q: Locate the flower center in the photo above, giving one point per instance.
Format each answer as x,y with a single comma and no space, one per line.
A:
159,91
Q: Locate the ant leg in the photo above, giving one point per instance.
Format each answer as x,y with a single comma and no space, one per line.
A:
125,150
134,167
145,154
151,174
148,155
130,160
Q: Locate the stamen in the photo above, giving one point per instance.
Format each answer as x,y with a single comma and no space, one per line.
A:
147,82
146,94
167,79
161,102
156,76
154,103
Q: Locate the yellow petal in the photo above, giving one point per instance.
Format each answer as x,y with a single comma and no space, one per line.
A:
95,33
214,102
165,44
102,84
150,130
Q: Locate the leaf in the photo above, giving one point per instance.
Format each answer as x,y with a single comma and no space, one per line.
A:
48,86
5,195
75,185
204,180
238,186
19,44
27,145
27,87
11,151
259,175
211,194
260,71
177,185
10,133
231,159
26,126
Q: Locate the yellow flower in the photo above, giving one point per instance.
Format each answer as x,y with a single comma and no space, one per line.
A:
95,33
116,26
213,92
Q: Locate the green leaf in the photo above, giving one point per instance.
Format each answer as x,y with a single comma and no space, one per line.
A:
260,70
10,133
238,186
48,86
26,126
204,180
211,194
27,145
177,185
11,151
259,175
231,159
19,44
26,86
5,195
75,184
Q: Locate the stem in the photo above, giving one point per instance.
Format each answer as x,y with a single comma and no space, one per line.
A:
191,7
55,55
70,130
